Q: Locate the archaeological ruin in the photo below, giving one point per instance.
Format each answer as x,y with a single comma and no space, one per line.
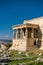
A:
28,35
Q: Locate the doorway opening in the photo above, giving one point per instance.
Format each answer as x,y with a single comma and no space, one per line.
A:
35,43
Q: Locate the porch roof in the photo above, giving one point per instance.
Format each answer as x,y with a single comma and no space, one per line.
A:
19,26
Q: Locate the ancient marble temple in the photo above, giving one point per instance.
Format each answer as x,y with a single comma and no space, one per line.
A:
28,35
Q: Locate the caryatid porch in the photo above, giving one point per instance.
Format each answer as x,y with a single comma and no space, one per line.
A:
24,36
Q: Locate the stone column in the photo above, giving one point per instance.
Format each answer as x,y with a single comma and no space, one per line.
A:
13,33
26,33
21,33
17,33
32,33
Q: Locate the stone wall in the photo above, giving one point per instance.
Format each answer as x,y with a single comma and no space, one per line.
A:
30,43
19,44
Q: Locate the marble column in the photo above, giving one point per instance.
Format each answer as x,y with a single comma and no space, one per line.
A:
17,33
21,33
26,33
13,33
32,33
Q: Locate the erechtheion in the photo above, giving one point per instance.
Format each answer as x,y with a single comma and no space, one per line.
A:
28,35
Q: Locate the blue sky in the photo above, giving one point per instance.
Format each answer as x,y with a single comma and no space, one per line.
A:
13,12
